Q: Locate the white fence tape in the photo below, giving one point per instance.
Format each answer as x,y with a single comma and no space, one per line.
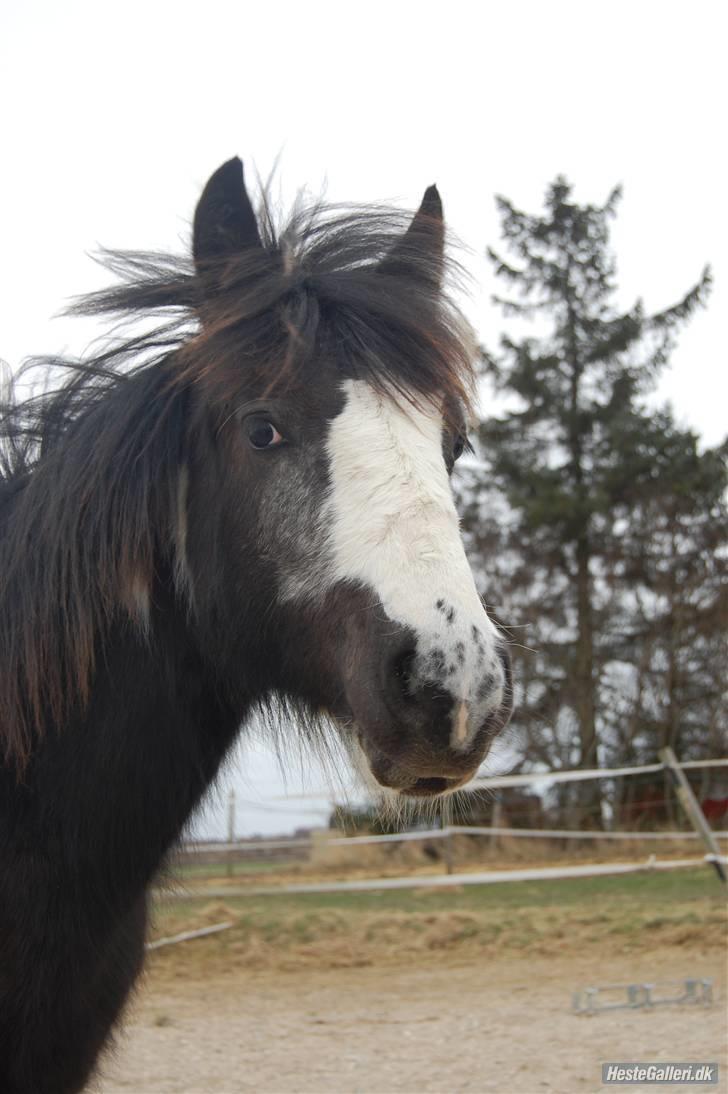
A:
184,936
577,775
495,781
489,877
441,833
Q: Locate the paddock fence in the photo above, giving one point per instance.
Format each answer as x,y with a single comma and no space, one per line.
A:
325,860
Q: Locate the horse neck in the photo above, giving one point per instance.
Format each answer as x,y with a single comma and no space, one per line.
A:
112,790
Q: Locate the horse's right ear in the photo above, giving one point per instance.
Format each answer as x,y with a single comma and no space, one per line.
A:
224,222
424,239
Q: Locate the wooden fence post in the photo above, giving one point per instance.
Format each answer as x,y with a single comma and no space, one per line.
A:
231,831
691,806
446,826
496,820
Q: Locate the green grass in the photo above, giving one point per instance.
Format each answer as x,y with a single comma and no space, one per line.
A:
199,870
653,889
684,907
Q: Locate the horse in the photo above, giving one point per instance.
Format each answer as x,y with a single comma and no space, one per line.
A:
240,504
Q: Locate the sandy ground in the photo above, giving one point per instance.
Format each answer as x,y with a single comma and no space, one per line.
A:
504,1025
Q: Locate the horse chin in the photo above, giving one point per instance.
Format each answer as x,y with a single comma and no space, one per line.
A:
387,781
407,784
432,788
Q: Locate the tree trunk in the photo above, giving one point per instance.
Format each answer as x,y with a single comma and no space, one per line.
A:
672,728
590,792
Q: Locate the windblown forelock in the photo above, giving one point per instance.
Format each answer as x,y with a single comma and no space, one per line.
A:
316,286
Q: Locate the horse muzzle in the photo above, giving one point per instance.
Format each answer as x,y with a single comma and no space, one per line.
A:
426,711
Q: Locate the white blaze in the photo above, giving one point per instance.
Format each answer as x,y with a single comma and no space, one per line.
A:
394,527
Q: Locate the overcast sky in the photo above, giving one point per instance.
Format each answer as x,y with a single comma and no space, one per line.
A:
114,116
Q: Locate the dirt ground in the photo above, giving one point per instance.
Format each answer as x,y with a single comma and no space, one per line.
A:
501,1025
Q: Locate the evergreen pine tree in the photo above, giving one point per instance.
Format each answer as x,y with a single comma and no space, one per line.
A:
559,455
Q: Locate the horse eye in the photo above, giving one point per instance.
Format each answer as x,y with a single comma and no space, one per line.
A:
262,433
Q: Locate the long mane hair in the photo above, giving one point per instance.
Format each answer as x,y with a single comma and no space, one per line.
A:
90,466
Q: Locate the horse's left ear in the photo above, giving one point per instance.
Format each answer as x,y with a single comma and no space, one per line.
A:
421,250
224,219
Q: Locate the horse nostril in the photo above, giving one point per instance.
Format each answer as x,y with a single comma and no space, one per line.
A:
402,668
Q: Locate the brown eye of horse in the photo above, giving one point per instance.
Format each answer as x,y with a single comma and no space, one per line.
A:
262,433
458,447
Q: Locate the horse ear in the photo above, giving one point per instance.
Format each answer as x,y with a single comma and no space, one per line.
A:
421,250
224,221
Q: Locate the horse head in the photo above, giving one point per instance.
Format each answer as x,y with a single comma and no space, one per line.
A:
322,544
